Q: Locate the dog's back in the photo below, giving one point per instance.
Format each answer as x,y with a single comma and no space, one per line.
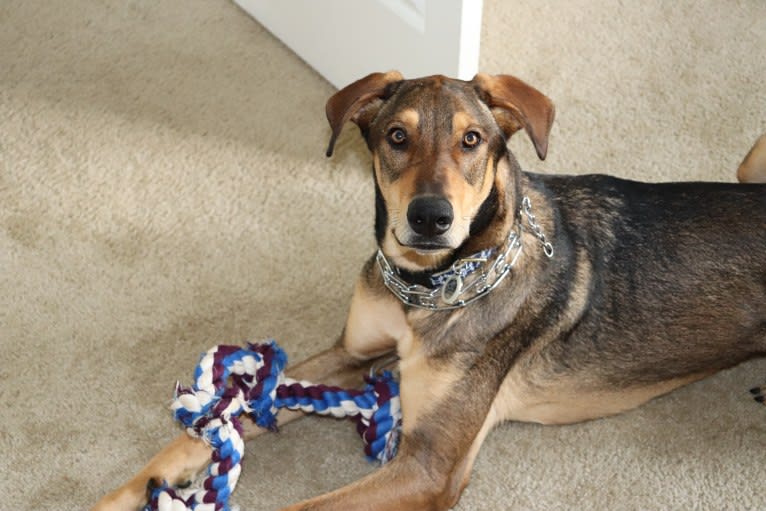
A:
668,261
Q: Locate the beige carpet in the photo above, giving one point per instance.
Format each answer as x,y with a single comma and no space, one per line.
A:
163,188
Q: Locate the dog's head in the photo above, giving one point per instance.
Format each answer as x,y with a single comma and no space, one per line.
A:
437,146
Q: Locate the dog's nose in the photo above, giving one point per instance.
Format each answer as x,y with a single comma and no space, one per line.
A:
430,216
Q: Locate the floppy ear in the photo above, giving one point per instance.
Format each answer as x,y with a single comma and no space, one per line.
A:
348,104
517,105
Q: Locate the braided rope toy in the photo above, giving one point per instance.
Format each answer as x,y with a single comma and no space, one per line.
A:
230,381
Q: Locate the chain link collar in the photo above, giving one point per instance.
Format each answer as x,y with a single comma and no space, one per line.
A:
468,279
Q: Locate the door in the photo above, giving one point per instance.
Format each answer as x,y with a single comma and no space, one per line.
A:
347,39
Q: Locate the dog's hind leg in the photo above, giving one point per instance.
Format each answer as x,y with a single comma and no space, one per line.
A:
753,167
758,394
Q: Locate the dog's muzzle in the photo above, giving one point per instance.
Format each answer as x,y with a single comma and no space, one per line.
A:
469,278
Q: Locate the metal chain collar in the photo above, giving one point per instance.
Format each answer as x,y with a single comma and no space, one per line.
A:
461,287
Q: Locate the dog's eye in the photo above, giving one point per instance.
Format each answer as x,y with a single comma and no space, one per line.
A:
397,136
471,139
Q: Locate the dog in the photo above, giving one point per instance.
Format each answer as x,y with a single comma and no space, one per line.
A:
514,296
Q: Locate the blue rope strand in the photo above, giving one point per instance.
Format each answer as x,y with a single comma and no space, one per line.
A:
263,407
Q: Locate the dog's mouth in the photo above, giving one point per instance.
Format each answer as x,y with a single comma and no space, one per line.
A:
428,248
425,246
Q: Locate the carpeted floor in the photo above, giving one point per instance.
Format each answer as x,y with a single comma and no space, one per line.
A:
163,188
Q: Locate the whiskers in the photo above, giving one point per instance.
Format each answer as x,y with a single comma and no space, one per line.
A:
393,217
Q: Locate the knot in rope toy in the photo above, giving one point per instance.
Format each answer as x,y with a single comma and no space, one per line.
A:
230,381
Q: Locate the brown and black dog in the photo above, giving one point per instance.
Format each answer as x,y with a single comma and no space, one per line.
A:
515,296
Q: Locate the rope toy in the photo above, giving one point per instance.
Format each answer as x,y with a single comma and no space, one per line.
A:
230,381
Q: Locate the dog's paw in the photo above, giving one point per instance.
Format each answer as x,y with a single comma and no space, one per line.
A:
155,483
152,484
758,394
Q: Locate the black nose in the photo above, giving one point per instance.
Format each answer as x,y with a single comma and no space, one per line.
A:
430,216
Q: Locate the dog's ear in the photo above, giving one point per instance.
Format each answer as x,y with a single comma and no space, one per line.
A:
517,105
357,102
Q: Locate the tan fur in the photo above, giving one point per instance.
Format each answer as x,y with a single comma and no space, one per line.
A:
374,324
572,401
461,475
753,167
466,199
424,382
409,118
177,463
461,121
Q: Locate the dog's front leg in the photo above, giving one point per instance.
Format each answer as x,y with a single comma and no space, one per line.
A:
403,484
184,457
447,409
373,324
